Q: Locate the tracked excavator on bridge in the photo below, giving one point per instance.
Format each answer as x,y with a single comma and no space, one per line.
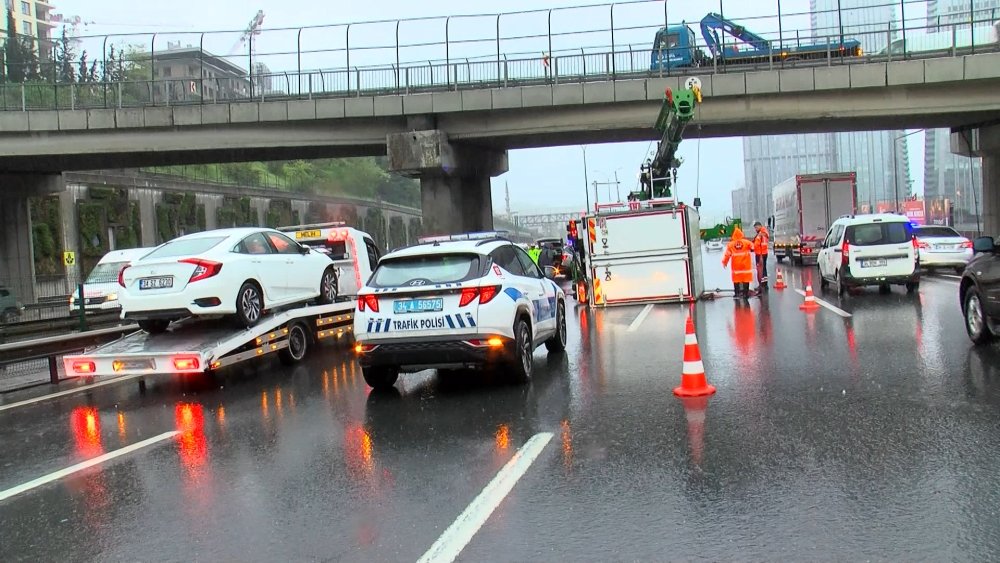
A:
659,174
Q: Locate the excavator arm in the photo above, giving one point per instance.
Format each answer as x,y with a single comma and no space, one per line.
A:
713,22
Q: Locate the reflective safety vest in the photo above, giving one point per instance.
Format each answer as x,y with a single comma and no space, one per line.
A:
738,251
534,253
760,242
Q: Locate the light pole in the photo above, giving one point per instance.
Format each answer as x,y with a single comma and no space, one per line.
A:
895,165
586,180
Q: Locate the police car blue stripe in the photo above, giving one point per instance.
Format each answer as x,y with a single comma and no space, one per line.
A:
461,323
371,322
471,321
451,323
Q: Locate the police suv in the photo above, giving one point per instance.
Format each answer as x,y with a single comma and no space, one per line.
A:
472,300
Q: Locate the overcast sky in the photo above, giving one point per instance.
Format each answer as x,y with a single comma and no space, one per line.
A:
538,178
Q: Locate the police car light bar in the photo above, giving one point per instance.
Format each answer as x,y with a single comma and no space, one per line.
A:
464,236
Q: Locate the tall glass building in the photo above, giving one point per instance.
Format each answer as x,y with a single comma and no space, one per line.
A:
878,157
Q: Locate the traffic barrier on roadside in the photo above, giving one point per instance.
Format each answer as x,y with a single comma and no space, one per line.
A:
809,305
781,281
694,412
693,382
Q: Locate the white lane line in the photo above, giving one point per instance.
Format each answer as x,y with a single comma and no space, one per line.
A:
936,276
69,392
461,531
84,465
839,311
641,317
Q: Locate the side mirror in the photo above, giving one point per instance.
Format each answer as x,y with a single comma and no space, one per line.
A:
550,272
983,244
303,249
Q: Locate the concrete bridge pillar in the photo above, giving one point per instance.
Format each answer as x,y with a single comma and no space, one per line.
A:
454,179
17,265
984,142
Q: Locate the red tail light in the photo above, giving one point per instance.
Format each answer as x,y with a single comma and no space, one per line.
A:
84,367
920,244
202,268
369,302
183,363
121,276
845,253
485,294
967,244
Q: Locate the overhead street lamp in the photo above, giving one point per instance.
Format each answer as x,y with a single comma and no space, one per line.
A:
895,164
586,180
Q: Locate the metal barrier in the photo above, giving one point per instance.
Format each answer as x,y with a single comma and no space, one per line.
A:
52,348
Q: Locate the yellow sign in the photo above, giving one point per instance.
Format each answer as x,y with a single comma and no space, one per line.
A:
308,234
69,258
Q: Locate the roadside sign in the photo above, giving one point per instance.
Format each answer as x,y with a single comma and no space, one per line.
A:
69,258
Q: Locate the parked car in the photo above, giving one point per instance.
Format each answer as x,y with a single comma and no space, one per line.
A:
942,247
450,303
869,250
101,289
979,291
353,252
714,245
10,308
242,272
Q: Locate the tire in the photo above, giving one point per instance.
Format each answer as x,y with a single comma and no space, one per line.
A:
380,378
884,289
298,345
522,364
249,304
912,287
841,288
557,343
328,287
154,326
975,320
823,282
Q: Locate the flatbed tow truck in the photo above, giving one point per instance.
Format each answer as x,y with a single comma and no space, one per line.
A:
196,346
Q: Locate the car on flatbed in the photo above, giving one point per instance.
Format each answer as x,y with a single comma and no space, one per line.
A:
475,300
979,292
241,272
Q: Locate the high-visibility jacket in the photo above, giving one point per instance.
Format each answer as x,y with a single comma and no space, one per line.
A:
534,253
738,251
760,242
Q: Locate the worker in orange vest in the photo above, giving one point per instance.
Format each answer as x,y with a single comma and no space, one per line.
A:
738,250
760,249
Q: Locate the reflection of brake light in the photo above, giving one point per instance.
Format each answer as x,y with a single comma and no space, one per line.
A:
121,276
184,363
492,342
84,367
485,294
369,302
360,348
337,235
202,268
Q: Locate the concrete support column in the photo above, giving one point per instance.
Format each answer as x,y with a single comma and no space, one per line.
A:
454,179
17,265
984,142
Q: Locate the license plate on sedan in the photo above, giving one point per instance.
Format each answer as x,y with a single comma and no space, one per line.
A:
156,283
880,263
418,306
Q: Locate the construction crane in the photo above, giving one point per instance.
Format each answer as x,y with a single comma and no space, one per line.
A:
658,174
252,30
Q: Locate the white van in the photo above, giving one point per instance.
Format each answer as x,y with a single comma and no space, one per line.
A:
866,250
353,252
100,290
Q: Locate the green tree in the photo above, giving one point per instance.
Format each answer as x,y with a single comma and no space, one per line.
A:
14,56
64,58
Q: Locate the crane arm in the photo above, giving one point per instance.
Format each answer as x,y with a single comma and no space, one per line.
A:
659,173
713,22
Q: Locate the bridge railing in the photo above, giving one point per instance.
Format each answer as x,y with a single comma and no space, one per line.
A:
613,61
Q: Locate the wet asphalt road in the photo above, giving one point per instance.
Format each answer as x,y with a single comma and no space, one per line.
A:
871,437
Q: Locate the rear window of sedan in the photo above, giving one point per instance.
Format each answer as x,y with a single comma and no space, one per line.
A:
186,247
429,269
935,232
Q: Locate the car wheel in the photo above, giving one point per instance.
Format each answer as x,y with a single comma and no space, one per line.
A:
249,304
823,282
557,343
841,288
154,326
522,364
912,286
380,378
328,287
884,289
298,345
975,319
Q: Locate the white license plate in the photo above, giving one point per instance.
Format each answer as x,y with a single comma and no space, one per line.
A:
945,247
418,306
156,283
880,263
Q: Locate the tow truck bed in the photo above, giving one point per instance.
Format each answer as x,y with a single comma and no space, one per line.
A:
197,346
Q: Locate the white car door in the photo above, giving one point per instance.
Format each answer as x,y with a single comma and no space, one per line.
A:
824,254
546,304
268,266
530,287
302,272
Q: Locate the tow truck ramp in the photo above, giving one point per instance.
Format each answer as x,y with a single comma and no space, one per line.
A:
199,346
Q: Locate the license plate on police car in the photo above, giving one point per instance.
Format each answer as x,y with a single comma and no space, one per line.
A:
156,283
308,234
418,306
880,263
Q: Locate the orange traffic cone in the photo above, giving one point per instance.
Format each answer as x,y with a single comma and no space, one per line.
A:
809,305
781,281
694,411
693,383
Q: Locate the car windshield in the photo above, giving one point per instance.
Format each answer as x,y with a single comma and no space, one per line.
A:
186,247
935,232
106,272
435,268
873,234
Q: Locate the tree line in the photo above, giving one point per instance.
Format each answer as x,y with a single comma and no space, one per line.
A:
20,61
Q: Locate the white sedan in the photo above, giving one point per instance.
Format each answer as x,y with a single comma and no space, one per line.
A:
942,247
243,272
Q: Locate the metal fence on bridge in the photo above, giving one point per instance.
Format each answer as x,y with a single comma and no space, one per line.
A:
559,45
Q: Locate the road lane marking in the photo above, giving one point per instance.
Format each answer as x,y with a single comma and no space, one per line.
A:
840,312
4,495
937,276
462,530
69,392
641,317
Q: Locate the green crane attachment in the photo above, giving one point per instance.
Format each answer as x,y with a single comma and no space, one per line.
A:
659,174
